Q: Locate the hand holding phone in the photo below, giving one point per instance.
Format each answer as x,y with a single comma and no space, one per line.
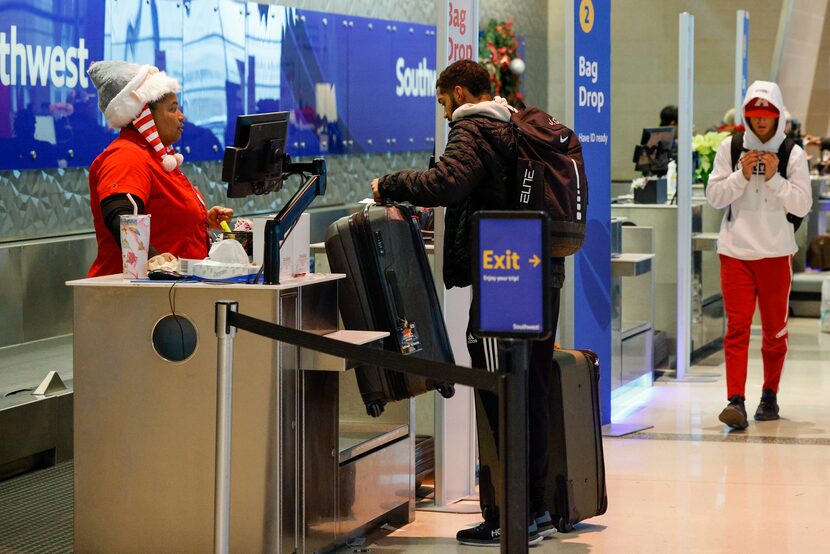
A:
748,163
760,164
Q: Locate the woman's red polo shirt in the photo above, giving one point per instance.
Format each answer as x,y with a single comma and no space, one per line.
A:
179,216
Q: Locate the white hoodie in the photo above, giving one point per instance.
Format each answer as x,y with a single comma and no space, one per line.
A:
497,109
759,227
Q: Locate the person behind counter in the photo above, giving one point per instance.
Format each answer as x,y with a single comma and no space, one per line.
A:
668,116
140,166
756,244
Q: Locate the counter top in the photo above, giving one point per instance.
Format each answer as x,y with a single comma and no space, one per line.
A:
704,241
630,265
118,281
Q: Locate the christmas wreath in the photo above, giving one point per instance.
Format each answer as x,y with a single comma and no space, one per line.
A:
499,54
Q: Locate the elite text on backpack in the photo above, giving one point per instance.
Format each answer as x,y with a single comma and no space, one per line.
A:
550,176
736,148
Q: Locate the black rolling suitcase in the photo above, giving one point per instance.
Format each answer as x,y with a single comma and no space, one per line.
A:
575,486
389,287
576,474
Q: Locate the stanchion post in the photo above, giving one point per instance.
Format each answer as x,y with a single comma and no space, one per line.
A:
513,442
224,409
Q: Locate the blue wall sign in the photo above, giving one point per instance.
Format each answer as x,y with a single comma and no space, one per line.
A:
48,104
592,121
512,287
352,84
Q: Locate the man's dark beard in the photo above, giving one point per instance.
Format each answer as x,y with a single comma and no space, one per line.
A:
453,106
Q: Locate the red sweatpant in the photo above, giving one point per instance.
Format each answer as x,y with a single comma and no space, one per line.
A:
744,282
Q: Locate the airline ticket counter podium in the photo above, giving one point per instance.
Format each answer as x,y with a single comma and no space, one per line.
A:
309,468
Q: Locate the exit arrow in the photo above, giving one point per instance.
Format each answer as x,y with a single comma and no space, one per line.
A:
535,261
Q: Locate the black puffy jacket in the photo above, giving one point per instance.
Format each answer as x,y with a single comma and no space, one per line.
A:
476,172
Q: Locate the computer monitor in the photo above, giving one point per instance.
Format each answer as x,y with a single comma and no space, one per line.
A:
657,147
257,159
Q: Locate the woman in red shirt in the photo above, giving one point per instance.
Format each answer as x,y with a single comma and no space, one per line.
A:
140,166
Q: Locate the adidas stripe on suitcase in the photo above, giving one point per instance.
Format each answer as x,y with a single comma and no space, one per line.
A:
575,488
389,287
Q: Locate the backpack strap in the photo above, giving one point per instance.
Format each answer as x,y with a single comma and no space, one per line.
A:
784,152
736,147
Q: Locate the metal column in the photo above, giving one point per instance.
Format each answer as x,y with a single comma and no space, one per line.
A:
741,58
686,65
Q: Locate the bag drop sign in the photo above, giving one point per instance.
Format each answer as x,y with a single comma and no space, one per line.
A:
461,30
512,285
589,71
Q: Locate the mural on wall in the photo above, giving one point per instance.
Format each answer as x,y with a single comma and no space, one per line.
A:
352,84
48,106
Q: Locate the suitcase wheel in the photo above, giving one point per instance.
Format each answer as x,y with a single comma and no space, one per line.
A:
375,408
447,390
564,526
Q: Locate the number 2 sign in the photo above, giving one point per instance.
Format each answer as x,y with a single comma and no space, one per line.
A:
586,15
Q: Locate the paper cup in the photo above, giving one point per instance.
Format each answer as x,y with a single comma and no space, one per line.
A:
135,243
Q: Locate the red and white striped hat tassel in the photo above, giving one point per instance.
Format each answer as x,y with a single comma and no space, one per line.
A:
146,125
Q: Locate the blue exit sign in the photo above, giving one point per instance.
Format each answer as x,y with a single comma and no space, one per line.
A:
512,284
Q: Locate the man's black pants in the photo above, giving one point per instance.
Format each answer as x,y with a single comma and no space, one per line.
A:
484,355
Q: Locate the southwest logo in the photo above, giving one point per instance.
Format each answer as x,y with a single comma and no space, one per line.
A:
26,64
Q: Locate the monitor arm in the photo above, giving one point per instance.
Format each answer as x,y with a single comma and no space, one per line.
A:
278,229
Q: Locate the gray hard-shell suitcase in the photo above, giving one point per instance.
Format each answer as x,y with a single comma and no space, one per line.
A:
389,287
575,487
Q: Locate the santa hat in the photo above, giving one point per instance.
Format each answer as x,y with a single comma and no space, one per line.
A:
124,92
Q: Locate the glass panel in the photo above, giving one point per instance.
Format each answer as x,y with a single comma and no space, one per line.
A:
214,70
314,65
265,27
148,33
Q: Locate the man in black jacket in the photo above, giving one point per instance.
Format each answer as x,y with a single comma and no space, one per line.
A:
477,172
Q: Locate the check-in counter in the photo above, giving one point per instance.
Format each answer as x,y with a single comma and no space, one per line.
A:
632,300
707,301
309,468
805,295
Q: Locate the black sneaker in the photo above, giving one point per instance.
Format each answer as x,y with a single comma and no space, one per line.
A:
486,534
734,415
768,408
545,524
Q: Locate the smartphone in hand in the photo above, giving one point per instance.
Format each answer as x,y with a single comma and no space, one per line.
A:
760,167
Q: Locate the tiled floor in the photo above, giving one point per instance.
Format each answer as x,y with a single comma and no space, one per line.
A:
687,485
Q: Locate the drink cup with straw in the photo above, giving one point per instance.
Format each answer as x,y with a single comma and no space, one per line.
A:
135,243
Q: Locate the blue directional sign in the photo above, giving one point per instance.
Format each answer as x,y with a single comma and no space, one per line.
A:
512,285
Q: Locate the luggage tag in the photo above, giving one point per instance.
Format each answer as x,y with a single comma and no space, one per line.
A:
408,337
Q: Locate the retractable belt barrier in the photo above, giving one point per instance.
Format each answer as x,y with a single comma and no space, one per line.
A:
431,369
510,386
